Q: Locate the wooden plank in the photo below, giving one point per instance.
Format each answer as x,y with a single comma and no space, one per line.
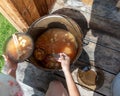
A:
98,16
41,6
13,15
100,37
50,4
33,11
36,78
96,36
83,90
22,13
105,25
102,57
21,7
39,79
105,89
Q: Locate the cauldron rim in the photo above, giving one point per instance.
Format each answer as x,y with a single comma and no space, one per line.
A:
71,21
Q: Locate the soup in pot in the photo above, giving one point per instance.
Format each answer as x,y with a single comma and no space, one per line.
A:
51,43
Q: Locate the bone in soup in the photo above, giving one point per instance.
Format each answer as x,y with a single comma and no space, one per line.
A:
50,44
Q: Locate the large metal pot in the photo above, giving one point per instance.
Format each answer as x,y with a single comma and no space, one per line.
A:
55,21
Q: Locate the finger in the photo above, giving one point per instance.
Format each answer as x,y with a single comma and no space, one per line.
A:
5,57
64,54
66,57
59,60
61,56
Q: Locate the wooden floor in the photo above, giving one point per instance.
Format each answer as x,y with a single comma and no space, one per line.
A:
100,49
104,54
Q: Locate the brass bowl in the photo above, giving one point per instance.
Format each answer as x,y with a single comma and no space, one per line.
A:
18,47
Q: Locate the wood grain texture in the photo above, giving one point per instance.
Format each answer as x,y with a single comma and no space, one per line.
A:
41,6
104,90
13,15
33,11
44,6
101,15
22,13
106,87
103,39
20,6
102,57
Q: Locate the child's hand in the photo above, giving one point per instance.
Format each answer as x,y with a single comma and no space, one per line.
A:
65,62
